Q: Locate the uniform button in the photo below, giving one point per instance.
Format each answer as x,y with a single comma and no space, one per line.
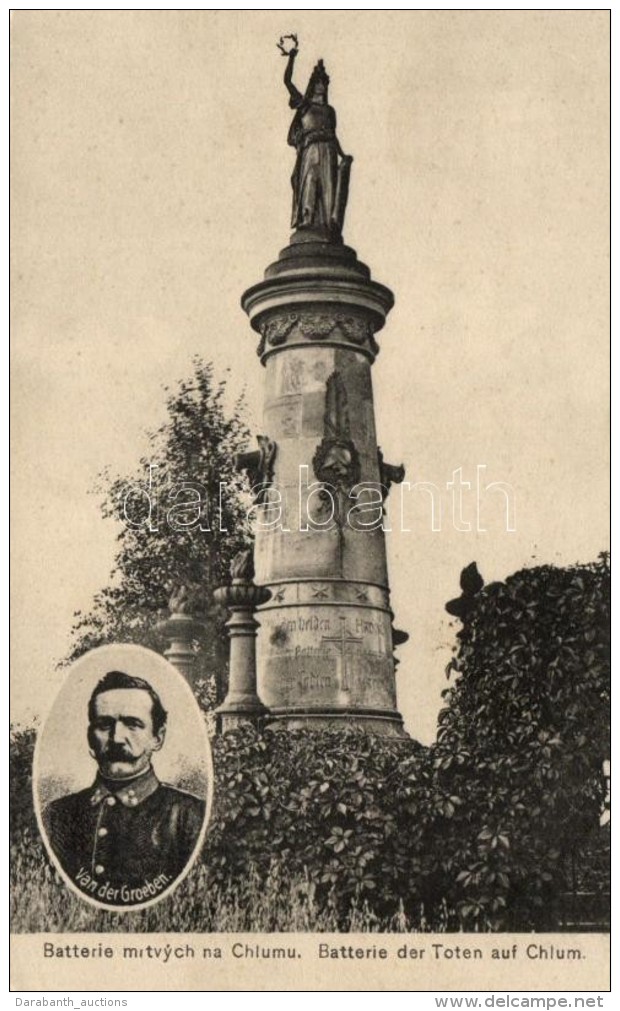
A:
124,797
102,832
99,869
133,801
111,801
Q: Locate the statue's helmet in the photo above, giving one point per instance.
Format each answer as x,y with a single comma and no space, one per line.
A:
319,77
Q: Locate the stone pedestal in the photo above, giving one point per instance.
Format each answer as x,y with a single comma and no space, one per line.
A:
325,649
181,630
242,704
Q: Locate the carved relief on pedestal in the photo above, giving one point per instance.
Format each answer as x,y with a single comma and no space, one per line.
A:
389,474
284,414
259,465
316,326
293,372
334,591
336,462
276,331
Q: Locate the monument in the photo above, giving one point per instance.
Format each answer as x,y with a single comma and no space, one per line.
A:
325,636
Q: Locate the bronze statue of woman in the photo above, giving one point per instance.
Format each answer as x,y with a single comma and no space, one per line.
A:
321,175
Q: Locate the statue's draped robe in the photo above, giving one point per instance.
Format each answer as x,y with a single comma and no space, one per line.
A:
313,134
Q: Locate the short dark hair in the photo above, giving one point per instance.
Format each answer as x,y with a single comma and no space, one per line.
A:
118,679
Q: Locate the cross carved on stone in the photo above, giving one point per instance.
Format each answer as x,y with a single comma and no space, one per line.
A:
342,642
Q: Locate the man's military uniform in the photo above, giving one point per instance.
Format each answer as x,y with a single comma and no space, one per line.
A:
124,842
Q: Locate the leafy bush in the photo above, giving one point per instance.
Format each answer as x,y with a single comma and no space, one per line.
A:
522,742
326,804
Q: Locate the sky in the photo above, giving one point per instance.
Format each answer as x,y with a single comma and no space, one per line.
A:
151,187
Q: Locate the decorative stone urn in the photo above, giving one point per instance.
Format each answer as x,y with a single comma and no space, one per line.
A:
182,629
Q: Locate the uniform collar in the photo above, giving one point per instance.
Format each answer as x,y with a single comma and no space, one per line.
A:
130,792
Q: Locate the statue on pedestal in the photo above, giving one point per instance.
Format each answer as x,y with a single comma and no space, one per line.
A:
311,635
321,176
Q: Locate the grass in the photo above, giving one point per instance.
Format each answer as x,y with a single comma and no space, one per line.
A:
40,902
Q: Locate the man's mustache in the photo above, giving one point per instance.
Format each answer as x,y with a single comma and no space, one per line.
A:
117,753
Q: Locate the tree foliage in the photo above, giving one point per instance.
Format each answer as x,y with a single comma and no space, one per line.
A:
21,750
185,531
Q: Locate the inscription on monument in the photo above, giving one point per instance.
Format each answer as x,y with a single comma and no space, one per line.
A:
302,624
308,681
326,657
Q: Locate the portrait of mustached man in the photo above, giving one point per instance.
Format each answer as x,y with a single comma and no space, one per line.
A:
125,839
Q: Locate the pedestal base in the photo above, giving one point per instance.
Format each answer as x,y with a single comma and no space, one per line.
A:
234,720
379,722
240,709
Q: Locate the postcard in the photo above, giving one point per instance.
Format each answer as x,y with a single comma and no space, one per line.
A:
310,330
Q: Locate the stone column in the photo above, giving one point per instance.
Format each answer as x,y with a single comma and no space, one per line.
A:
325,644
242,703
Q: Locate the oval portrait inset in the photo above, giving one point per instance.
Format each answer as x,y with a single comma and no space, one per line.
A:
123,777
